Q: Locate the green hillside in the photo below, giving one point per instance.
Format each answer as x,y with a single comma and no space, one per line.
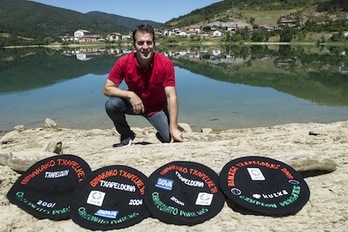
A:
128,23
24,22
262,11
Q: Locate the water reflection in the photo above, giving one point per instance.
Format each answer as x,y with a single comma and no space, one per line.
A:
318,75
232,86
88,53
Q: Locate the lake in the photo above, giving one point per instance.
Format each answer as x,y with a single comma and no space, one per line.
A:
219,88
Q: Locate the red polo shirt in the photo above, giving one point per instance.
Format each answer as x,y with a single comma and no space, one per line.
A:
147,83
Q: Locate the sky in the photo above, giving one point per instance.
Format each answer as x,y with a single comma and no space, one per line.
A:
156,10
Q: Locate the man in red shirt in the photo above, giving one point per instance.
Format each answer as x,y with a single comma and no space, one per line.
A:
151,90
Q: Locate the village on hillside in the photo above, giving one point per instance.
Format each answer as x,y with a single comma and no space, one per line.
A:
214,30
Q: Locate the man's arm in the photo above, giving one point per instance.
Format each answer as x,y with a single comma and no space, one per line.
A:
111,89
173,113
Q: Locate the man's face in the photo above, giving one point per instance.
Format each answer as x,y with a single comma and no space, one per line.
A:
144,45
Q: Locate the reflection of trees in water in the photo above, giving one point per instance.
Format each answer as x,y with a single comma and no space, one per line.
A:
284,57
317,74
34,68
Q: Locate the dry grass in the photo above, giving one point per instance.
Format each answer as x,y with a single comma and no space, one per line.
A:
266,17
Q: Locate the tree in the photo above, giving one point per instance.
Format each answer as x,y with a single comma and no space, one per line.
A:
337,36
48,40
228,37
257,36
286,35
245,33
237,37
252,20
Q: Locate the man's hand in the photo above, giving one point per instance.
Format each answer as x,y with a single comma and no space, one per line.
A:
176,135
111,89
137,103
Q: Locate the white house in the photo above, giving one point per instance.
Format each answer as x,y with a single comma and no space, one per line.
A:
194,29
114,37
182,34
90,38
168,33
216,52
125,37
217,33
229,26
80,33
67,38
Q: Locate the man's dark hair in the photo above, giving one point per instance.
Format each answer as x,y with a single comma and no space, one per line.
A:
144,28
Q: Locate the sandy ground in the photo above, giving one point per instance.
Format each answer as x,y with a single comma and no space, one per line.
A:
305,147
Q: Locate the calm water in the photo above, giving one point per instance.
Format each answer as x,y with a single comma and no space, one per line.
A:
228,87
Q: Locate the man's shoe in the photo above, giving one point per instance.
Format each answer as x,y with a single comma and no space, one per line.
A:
159,137
126,141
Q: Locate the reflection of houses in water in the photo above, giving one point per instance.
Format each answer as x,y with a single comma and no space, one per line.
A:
88,53
215,56
228,59
343,69
176,54
84,53
183,54
281,63
83,56
118,51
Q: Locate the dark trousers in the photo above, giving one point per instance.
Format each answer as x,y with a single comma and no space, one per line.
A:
117,108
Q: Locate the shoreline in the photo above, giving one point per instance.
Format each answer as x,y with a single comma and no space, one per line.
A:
181,43
141,123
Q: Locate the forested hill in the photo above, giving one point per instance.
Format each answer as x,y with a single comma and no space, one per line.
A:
126,22
35,21
224,9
